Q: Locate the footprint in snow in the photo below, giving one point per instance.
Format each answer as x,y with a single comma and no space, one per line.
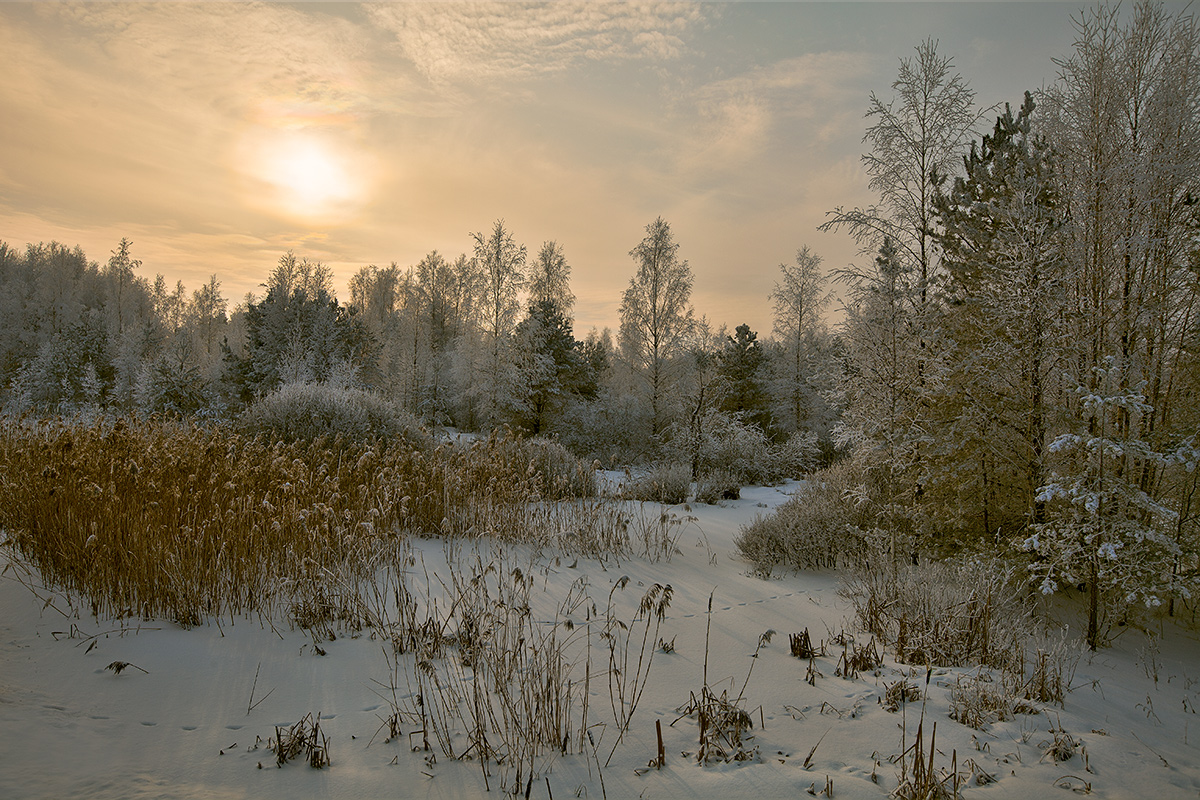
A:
188,728
149,724
371,708
233,727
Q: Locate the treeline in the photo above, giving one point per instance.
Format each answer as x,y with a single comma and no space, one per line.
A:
481,341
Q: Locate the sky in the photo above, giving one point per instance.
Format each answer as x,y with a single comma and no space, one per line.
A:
218,136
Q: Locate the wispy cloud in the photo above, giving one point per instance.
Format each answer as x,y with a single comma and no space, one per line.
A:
225,56
805,101
496,43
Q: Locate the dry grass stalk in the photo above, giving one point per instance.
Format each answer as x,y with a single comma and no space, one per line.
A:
977,701
857,658
723,724
899,693
486,680
118,667
722,721
302,739
627,676
802,647
920,779
1061,746
944,614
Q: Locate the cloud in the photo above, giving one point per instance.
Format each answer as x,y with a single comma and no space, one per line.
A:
498,43
804,99
224,56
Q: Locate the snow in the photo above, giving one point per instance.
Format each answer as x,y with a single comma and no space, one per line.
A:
69,727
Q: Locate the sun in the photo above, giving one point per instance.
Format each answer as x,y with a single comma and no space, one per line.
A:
305,174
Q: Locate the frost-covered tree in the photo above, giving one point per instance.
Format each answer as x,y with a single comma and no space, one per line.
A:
798,300
1124,121
915,138
298,332
1101,528
384,301
742,368
502,264
917,135
206,313
456,305
550,362
550,280
127,290
882,385
549,367
656,317
1002,236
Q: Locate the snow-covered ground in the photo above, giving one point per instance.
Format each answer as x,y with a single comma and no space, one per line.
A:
196,723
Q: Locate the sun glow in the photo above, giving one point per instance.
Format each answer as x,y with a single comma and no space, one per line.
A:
306,175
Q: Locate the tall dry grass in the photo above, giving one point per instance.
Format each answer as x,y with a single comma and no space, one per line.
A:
185,522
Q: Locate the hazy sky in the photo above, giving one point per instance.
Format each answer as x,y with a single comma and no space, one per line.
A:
218,136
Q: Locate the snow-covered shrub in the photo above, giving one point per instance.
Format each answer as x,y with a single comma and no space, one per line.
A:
722,441
795,456
822,526
718,485
1045,669
949,613
668,483
308,411
979,700
613,429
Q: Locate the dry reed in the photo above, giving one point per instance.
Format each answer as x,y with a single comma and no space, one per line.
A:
158,519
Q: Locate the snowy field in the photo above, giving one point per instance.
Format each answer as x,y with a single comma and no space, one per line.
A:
195,711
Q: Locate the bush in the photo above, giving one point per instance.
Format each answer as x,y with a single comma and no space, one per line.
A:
979,700
797,455
614,429
724,442
948,614
821,526
668,483
718,485
305,412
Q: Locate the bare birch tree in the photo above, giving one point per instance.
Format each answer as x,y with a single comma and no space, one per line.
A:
656,317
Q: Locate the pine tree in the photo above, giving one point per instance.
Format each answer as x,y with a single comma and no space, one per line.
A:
1101,528
1003,240
740,367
